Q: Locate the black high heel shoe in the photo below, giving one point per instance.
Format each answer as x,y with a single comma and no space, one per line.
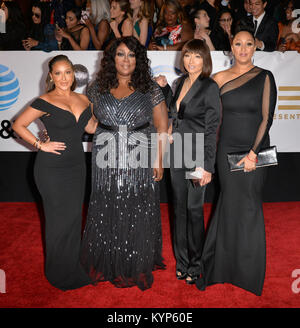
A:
181,275
191,280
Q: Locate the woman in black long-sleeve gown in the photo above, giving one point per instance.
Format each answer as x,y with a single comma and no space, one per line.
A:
235,249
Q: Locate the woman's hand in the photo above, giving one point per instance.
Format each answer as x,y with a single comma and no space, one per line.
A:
200,34
114,25
29,43
161,80
153,46
249,162
52,146
158,173
206,177
62,34
88,23
282,47
170,131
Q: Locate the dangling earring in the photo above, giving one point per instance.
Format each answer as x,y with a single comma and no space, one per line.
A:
253,60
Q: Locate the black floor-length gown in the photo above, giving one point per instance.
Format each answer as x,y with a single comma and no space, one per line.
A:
61,181
122,241
235,247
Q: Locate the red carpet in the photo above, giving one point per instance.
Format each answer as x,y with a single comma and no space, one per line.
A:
21,257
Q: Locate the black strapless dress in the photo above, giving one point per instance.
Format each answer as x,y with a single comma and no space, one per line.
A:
61,182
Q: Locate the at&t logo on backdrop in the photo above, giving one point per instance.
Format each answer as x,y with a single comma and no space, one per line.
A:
9,88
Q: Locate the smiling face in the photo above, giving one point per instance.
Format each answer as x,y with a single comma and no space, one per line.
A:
257,7
193,63
36,15
125,61
243,47
62,75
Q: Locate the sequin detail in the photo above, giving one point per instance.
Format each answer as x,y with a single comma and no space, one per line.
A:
122,240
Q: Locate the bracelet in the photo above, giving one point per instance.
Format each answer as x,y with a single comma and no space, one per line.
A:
37,143
254,161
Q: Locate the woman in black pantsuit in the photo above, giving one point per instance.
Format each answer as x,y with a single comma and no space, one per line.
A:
195,109
60,170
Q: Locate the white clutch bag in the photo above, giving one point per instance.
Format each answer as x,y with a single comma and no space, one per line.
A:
194,174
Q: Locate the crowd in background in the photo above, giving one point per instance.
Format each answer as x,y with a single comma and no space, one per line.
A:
158,24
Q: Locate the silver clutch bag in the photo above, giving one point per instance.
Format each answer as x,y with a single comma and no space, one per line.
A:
266,157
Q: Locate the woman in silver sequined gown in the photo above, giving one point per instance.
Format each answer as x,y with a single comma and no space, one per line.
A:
122,241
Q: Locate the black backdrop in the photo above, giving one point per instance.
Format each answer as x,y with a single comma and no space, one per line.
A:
17,184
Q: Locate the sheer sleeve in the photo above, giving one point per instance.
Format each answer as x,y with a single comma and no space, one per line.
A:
268,106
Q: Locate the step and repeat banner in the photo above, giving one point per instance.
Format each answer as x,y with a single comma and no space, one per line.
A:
23,76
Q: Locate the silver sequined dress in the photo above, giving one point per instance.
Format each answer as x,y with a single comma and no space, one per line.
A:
122,240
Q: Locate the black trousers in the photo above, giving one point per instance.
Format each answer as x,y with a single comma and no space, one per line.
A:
188,201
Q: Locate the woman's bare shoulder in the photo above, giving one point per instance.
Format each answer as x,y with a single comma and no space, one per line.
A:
46,96
222,77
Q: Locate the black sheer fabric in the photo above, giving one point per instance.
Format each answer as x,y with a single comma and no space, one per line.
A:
76,35
235,246
267,99
122,241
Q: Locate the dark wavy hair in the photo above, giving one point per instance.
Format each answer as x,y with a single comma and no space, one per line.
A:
76,11
45,11
141,78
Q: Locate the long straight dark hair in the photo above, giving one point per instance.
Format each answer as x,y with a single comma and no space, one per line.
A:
15,15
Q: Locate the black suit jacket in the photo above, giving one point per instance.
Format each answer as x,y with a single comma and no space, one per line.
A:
268,32
199,112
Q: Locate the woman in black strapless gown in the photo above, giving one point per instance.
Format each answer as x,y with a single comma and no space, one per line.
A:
59,171
235,251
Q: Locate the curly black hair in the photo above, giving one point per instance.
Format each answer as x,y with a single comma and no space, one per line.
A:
141,78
